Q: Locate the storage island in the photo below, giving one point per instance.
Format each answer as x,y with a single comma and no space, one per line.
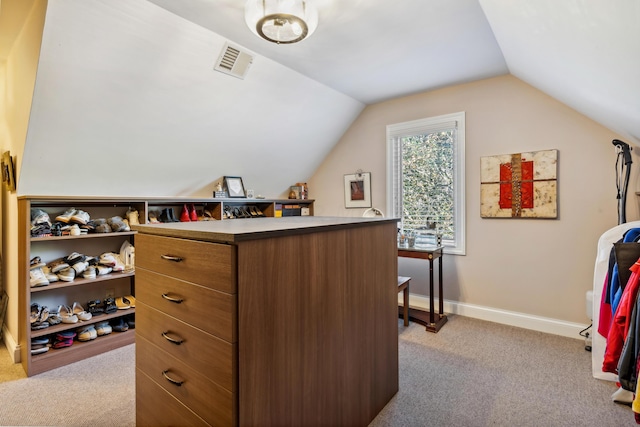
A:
266,322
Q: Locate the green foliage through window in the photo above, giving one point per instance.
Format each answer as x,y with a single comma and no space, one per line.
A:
428,182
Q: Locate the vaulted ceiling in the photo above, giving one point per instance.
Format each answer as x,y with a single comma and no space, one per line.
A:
584,53
132,82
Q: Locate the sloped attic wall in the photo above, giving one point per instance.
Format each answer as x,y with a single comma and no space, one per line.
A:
127,103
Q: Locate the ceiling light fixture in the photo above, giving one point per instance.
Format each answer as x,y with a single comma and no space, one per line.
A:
281,21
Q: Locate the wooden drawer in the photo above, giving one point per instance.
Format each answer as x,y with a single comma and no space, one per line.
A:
156,407
214,404
207,264
212,311
205,353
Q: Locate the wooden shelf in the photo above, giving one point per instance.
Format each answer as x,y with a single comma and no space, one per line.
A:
55,358
81,281
70,326
82,236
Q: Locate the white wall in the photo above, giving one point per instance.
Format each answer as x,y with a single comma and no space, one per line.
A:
531,267
127,103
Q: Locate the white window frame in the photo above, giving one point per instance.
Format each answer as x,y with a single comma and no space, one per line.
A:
397,131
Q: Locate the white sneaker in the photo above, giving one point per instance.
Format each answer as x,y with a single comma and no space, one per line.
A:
66,216
87,333
37,277
49,275
67,275
89,273
74,230
80,217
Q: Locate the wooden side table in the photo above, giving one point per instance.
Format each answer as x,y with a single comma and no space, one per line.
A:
430,319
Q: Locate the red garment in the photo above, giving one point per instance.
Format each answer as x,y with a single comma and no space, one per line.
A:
620,325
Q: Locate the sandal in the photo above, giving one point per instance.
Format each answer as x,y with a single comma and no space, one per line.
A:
122,303
79,311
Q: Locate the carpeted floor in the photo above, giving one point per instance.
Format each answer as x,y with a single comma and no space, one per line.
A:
472,373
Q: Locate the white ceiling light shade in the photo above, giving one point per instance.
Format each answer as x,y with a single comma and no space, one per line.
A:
281,21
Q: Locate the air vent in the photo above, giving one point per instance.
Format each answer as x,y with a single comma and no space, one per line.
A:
233,61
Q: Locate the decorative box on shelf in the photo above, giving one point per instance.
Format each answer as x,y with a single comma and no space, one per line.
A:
219,194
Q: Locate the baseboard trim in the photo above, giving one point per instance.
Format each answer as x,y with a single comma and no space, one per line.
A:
12,346
505,317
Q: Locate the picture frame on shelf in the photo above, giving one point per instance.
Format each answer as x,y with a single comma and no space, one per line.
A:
357,190
234,186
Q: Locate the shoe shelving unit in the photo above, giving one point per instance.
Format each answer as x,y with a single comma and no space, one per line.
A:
93,244
79,290
217,207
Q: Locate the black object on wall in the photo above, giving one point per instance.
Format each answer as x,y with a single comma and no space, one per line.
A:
624,167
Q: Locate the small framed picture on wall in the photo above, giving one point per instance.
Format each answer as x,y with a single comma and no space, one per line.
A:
357,190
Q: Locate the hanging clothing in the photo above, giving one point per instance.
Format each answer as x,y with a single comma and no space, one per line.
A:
621,319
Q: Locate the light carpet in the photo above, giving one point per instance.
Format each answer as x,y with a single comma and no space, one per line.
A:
471,374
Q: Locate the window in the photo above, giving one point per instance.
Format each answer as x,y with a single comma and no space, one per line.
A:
425,178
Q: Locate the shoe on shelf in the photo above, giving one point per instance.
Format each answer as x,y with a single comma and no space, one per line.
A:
101,270
131,321
74,257
75,230
153,218
58,265
54,318
103,328
184,216
110,305
117,224
67,275
66,314
79,311
129,299
35,313
80,217
121,304
80,267
119,325
39,349
133,217
39,341
87,333
89,273
64,339
37,277
95,307
66,216
49,275
38,216
36,262
193,215
101,226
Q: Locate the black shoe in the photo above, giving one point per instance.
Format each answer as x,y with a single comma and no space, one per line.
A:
95,308
119,325
172,215
110,305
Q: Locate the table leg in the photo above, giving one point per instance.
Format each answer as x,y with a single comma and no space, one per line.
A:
431,307
406,305
440,297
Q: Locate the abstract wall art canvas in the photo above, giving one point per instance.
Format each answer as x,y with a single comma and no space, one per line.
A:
521,185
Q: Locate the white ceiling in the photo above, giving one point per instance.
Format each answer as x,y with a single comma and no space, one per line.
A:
585,53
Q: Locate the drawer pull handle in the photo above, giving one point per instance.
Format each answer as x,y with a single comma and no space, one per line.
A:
172,258
172,340
176,300
171,380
